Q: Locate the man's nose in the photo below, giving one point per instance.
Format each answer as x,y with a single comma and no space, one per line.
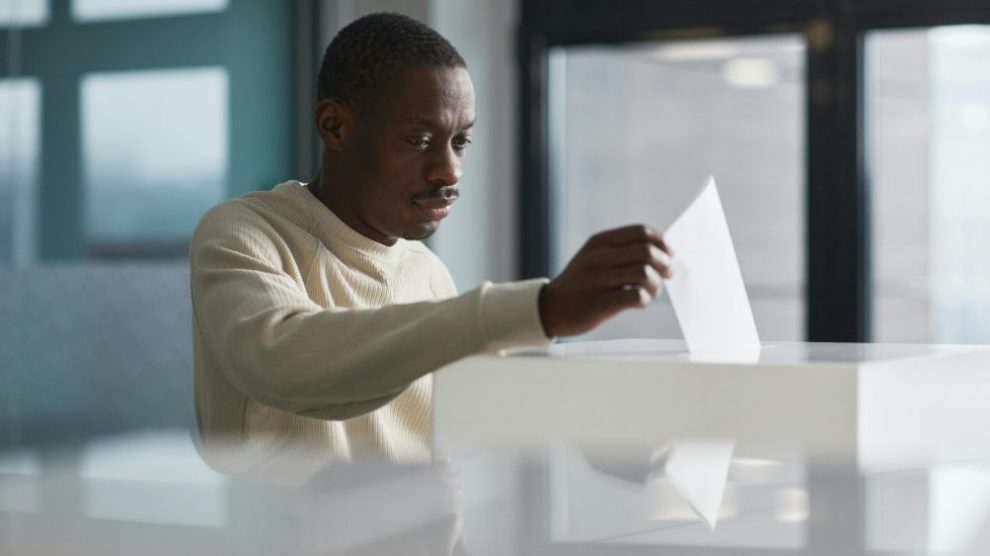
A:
445,168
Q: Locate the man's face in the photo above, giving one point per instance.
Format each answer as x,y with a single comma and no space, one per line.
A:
406,152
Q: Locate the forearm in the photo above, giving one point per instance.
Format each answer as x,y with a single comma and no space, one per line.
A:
297,356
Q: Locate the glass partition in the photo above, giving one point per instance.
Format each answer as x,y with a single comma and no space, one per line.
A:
928,116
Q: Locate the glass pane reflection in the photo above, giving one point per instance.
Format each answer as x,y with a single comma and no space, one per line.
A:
19,150
155,151
636,129
151,478
23,13
928,95
19,490
635,498
100,10
150,489
945,509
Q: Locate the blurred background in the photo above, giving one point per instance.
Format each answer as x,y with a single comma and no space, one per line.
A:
850,141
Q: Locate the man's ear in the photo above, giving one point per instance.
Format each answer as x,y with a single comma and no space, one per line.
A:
333,124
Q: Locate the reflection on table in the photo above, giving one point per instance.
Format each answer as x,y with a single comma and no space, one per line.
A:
151,493
841,473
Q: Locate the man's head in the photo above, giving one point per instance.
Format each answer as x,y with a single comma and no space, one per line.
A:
395,110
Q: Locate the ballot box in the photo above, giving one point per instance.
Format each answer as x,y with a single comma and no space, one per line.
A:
876,404
636,446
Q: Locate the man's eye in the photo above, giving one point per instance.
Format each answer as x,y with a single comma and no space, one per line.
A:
419,142
461,143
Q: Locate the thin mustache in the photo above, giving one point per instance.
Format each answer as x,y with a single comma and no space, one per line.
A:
449,193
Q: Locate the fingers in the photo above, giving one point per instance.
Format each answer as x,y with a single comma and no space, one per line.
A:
615,270
630,235
626,298
641,276
635,254
629,245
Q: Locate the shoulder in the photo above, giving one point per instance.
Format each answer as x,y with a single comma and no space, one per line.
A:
244,225
260,213
231,219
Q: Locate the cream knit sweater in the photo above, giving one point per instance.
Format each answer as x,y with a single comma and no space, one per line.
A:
312,339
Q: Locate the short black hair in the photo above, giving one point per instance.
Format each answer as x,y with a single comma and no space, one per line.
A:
368,56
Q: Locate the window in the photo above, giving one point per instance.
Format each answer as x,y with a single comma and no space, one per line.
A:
894,142
23,13
124,132
20,101
637,129
928,109
154,153
101,10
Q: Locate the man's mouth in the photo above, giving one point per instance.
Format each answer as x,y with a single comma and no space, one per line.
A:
434,210
435,205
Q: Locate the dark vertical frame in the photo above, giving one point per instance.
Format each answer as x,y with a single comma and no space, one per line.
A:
838,263
534,198
309,14
838,208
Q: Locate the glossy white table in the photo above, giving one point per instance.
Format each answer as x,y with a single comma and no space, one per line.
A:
835,450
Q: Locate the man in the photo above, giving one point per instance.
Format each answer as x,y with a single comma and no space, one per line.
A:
318,315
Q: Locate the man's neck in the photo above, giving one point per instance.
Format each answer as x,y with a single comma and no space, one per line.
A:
322,189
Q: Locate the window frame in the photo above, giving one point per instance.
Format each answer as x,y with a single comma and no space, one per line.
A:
255,42
838,243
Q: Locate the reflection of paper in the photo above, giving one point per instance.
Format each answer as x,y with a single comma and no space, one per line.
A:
699,469
707,289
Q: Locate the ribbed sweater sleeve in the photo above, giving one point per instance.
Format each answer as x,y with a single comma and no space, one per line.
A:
277,346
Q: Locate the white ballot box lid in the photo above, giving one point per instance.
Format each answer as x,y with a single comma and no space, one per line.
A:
882,405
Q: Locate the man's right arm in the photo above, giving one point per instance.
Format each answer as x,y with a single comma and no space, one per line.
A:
275,345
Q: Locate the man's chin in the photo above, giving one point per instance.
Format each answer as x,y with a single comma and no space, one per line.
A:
422,232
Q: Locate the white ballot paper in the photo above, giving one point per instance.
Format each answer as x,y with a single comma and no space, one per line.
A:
699,469
707,289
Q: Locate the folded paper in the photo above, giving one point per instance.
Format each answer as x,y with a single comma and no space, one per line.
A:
707,289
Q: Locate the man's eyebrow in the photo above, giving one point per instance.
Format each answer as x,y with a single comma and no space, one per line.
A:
432,123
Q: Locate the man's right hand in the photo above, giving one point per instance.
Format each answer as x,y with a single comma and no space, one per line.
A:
615,270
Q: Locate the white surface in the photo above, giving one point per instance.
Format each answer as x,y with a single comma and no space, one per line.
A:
771,353
881,407
698,469
105,10
707,288
560,501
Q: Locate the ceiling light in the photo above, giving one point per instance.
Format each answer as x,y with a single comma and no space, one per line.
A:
751,73
696,52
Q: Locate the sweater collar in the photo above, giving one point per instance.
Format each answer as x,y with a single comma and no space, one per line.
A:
331,229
